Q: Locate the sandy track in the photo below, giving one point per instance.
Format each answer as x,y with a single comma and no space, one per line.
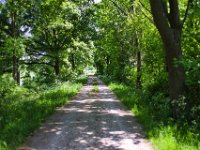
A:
91,121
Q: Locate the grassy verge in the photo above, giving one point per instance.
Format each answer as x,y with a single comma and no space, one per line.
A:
95,88
23,111
163,132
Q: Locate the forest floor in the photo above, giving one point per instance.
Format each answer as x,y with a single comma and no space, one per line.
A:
94,119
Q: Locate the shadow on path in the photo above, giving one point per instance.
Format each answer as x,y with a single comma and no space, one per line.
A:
91,121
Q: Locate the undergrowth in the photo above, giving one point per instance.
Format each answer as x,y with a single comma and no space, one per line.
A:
153,111
23,110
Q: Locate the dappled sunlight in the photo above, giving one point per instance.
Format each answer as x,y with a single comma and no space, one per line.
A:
97,121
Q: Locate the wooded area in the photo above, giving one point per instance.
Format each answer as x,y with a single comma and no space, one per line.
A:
149,49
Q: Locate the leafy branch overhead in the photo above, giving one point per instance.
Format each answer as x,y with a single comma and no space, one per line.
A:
149,49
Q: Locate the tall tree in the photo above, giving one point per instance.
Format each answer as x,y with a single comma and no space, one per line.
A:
13,28
166,16
52,35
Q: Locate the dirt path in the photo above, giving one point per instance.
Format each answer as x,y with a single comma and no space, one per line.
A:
91,121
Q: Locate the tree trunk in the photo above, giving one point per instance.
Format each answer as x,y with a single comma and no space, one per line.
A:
14,69
15,62
139,64
139,73
73,61
57,67
169,28
122,64
17,71
107,63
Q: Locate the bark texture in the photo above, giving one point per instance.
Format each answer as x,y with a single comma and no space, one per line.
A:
169,27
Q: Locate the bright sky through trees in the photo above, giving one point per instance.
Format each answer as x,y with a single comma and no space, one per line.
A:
152,47
97,1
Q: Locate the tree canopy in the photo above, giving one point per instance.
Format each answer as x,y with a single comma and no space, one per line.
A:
152,46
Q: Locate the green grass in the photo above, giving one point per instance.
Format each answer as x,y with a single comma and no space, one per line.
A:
95,82
162,132
24,111
95,89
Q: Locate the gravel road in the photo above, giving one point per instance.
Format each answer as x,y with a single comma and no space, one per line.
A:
91,121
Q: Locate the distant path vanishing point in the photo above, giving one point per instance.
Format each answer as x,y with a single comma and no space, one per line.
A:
91,121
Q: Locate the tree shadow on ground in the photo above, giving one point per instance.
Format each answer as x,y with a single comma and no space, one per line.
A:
97,121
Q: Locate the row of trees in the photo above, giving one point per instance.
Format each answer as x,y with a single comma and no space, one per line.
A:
142,43
45,36
151,46
149,43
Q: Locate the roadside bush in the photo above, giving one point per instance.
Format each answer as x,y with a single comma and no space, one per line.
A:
6,85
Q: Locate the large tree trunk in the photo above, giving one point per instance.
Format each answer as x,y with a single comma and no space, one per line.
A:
169,27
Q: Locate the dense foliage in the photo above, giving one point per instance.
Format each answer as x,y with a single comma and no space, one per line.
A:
160,80
151,47
23,110
132,51
43,45
43,37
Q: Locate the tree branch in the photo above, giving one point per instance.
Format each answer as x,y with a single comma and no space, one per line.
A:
39,53
145,7
126,14
119,8
150,20
186,13
36,63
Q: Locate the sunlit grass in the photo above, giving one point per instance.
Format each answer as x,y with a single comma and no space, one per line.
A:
163,134
25,111
95,89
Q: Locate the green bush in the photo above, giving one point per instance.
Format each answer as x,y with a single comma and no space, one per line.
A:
6,85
